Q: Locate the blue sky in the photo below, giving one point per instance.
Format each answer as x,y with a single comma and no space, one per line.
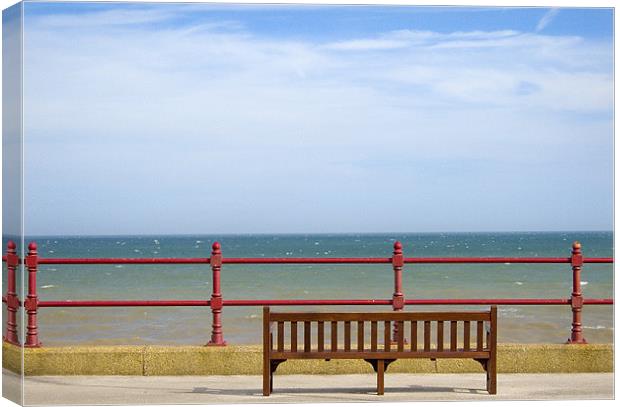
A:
187,118
300,21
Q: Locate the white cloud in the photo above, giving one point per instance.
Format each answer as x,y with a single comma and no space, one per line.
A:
194,71
547,19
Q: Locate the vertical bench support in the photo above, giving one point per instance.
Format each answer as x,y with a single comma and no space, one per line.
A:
576,295
380,377
267,374
32,300
12,300
492,345
217,338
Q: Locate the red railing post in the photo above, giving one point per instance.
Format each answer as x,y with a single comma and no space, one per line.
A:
12,301
217,338
398,299
31,304
576,260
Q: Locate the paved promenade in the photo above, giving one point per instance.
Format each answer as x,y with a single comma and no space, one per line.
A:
68,390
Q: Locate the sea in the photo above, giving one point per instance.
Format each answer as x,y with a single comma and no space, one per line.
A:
242,325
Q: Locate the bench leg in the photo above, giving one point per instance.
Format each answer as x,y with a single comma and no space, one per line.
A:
492,376
273,365
380,376
266,381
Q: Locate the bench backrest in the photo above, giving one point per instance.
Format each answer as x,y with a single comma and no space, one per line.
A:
368,332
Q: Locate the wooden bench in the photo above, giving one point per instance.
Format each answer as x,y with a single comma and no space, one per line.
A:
399,332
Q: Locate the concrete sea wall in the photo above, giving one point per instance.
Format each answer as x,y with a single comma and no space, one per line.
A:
247,360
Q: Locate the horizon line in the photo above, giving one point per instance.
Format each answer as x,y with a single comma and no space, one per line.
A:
306,233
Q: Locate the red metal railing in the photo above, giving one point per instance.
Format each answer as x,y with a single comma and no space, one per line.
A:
217,303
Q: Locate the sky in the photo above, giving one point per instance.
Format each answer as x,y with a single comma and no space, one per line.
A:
189,118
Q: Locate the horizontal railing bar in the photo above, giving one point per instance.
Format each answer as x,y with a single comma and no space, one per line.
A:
198,260
598,301
305,302
307,260
462,260
507,301
598,260
126,303
233,303
320,260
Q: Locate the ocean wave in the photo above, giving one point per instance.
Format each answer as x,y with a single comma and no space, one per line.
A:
48,286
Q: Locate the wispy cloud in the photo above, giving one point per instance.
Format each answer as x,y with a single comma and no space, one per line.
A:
119,17
547,19
414,38
367,44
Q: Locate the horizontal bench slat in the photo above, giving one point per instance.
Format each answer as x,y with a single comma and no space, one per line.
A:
380,355
380,316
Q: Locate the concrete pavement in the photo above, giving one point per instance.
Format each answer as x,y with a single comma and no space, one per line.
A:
67,390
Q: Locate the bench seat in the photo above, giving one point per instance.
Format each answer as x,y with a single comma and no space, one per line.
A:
380,338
